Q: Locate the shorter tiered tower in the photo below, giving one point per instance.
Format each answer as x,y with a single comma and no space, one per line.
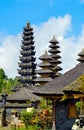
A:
27,60
54,57
81,55
45,72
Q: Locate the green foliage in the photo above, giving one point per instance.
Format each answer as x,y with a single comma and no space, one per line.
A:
5,83
26,117
22,128
8,84
43,119
64,97
37,120
43,103
33,127
2,78
78,104
2,74
30,127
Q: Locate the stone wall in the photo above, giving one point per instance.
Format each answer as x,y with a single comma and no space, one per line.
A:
63,119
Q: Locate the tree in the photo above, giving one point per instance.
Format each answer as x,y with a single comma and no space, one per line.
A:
8,84
3,77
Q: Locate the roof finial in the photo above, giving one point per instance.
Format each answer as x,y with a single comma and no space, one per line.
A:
28,24
53,40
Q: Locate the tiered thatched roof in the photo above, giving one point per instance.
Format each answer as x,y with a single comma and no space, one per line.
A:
45,72
27,64
55,87
24,94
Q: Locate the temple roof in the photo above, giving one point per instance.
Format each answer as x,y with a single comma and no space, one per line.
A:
45,56
47,79
76,86
54,56
55,87
43,64
55,61
43,71
81,54
26,47
25,71
27,37
28,33
54,46
25,77
57,68
28,27
28,42
53,51
53,40
29,64
27,58
24,94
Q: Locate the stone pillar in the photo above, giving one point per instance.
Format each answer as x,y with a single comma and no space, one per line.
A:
4,96
3,120
53,114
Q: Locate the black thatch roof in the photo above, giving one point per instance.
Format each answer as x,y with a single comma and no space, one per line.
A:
55,87
44,64
47,79
24,94
45,56
43,71
76,86
16,88
11,105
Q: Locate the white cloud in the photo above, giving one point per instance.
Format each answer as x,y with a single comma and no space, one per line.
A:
82,1
70,47
47,2
9,51
43,33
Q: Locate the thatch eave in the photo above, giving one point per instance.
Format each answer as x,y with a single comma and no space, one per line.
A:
76,86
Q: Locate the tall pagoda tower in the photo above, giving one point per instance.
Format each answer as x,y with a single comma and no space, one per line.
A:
54,53
27,64
45,72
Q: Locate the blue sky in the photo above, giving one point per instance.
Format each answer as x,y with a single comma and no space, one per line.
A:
15,13
62,18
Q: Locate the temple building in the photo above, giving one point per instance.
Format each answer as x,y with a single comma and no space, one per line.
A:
64,95
27,64
23,96
24,90
49,65
45,72
64,90
54,51
76,88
